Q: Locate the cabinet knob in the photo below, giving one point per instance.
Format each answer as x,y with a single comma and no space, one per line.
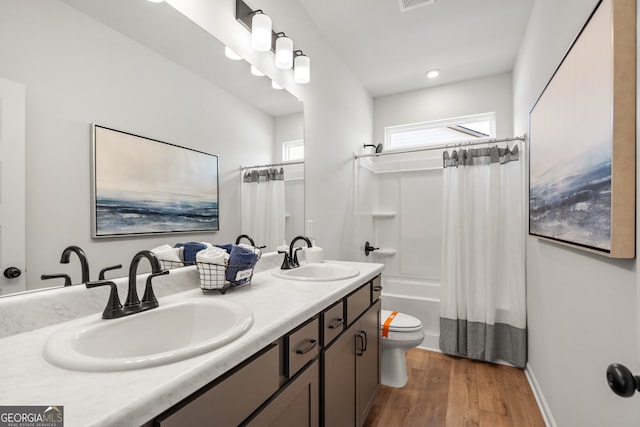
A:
12,272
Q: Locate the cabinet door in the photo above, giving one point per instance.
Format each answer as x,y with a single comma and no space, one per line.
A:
296,405
368,360
339,373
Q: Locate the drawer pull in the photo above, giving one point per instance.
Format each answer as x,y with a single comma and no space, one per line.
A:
336,323
377,288
308,347
360,348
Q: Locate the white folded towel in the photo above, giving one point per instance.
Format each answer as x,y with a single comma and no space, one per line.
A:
167,253
212,276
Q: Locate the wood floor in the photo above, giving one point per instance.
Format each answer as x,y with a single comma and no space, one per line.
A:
456,392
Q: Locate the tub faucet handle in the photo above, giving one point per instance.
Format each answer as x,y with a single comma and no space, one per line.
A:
368,248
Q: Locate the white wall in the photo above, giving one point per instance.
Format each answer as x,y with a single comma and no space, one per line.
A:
582,308
78,72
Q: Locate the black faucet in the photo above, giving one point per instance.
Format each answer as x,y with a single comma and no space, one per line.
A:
132,294
84,264
293,253
245,236
132,305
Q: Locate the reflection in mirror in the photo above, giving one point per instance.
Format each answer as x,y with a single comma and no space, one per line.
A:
85,61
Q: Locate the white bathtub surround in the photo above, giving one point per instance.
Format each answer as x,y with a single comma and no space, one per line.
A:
134,397
483,305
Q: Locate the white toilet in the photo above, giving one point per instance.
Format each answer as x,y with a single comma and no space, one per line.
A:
400,332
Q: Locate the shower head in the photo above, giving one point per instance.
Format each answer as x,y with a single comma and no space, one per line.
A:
377,147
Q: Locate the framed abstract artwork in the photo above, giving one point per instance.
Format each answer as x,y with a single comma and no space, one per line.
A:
582,139
141,186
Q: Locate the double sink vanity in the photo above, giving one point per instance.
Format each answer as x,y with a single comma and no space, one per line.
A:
297,347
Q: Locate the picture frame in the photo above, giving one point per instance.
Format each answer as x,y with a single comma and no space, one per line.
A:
142,186
582,139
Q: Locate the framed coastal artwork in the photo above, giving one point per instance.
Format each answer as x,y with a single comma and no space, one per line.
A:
141,186
582,139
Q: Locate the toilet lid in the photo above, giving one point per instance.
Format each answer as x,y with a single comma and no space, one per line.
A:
400,323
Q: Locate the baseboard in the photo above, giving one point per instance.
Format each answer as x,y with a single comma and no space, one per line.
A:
537,393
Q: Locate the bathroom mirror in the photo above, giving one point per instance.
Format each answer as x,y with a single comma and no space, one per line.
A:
138,67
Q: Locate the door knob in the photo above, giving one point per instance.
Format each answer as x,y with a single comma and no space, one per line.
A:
622,381
12,272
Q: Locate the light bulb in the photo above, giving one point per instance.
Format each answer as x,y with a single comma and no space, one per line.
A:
284,53
302,69
261,32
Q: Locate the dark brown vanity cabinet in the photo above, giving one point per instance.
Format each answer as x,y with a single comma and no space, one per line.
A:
351,363
323,372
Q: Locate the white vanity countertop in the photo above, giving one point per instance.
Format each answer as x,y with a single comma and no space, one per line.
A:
134,397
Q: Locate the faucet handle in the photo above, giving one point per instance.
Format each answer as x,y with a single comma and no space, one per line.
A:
67,279
149,298
286,263
104,270
114,307
294,261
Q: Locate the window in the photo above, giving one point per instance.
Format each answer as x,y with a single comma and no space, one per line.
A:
293,150
440,131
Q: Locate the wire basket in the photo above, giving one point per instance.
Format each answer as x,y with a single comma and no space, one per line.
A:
221,277
167,264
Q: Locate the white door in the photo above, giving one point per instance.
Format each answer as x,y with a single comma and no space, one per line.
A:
12,187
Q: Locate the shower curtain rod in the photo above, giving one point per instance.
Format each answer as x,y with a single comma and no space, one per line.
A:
445,146
271,165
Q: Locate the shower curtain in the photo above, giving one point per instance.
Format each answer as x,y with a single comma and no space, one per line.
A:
483,306
262,206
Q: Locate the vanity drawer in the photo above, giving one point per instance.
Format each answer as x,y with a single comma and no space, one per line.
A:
332,322
376,289
230,401
358,302
302,346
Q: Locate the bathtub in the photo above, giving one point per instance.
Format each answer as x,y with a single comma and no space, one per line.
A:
418,298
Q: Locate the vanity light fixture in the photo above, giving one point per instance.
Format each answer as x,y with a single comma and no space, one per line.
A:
256,72
261,31
284,52
264,38
275,85
231,54
432,74
301,68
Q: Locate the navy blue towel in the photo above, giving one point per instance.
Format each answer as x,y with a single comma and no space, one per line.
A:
190,249
226,247
240,259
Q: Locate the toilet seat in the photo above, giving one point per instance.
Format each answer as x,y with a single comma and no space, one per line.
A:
401,323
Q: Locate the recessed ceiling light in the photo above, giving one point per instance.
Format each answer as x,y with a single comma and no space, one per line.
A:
432,74
256,72
231,54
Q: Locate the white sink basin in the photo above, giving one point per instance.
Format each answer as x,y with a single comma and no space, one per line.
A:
317,272
163,335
